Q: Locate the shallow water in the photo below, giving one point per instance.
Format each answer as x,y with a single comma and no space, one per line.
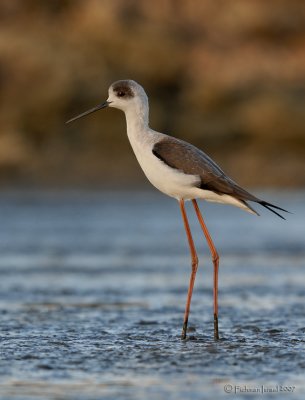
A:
93,288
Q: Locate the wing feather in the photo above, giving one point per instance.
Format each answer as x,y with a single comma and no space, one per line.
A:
189,159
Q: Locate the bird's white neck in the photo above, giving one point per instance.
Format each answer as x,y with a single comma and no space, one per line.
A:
137,121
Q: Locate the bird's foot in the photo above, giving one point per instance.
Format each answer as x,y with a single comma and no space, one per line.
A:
216,332
184,329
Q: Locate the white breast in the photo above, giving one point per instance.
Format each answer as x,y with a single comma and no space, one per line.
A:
168,180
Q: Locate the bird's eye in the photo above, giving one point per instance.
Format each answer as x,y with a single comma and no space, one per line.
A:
121,94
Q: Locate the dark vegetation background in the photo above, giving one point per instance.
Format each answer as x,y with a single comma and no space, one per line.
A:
227,75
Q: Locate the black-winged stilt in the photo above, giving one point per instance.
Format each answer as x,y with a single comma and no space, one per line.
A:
179,170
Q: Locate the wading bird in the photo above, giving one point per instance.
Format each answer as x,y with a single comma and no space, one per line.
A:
179,170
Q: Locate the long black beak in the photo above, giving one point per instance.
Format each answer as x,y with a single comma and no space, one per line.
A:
92,110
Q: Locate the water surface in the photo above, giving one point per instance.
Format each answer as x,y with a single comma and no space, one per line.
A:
93,288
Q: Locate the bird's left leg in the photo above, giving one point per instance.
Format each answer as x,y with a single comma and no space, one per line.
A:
194,268
215,258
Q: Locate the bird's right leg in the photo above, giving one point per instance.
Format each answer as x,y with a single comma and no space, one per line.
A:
215,258
194,268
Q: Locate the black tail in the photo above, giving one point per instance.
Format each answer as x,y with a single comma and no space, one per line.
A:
270,207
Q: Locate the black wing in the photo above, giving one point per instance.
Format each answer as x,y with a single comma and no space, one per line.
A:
189,159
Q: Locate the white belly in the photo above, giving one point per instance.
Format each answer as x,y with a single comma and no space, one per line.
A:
170,181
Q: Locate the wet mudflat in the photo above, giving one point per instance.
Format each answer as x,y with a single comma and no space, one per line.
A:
93,288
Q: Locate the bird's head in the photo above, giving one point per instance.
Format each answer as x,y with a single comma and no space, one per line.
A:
124,95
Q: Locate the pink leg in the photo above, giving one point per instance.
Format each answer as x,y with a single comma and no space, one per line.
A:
194,268
215,258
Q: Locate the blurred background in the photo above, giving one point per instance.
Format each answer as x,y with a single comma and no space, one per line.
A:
226,75
93,282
